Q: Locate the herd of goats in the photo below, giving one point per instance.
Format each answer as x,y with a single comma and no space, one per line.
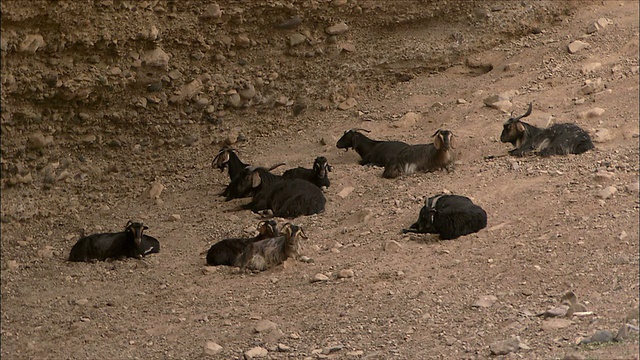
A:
299,192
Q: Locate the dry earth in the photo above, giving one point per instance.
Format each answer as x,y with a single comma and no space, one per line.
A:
101,99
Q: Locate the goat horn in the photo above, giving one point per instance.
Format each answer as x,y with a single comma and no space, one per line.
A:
436,133
128,224
527,113
276,166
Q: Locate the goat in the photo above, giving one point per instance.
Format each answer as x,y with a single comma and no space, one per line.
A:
243,184
450,216
423,157
372,152
226,252
287,198
558,139
129,243
265,254
227,158
318,175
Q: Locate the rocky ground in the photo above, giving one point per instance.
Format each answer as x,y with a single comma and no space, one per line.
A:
113,110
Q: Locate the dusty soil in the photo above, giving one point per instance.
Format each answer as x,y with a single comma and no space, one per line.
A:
93,114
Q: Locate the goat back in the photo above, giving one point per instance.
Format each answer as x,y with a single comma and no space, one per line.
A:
384,151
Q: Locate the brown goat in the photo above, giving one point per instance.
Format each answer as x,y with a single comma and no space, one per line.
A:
423,157
265,254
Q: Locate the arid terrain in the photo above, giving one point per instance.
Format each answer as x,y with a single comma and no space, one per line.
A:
114,110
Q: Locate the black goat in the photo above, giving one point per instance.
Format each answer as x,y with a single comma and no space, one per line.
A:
264,254
372,152
250,180
450,216
423,157
227,158
558,139
318,175
129,243
226,252
288,198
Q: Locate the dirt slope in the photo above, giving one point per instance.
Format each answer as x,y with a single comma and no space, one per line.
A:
101,100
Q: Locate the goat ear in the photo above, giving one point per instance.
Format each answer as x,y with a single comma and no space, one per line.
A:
255,179
128,224
304,236
437,140
329,168
145,227
520,127
452,141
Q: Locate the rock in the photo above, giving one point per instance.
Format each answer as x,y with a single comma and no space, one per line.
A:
88,139
319,277
346,191
392,246
591,113
188,91
24,179
283,348
243,40
503,106
607,192
348,47
156,58
602,135
212,348
407,120
82,302
591,67
174,217
12,265
290,23
556,323
591,86
347,104
576,46
331,349
38,141
505,346
485,301
248,92
337,29
154,190
31,43
557,311
256,352
235,100
603,177
461,101
601,336
500,101
633,188
211,12
598,25
297,39
345,273
265,326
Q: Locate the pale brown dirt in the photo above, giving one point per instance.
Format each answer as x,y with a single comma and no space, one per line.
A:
548,233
